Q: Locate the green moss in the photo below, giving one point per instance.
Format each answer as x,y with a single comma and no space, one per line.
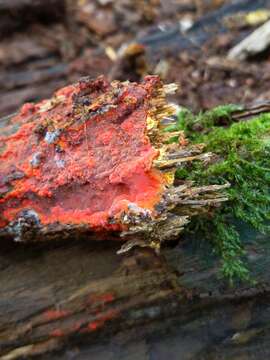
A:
243,160
203,121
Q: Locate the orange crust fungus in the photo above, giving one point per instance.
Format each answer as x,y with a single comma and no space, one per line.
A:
93,159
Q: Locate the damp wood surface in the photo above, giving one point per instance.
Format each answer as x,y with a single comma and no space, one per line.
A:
78,299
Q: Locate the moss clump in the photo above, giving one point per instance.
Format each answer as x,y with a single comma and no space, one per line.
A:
203,121
243,160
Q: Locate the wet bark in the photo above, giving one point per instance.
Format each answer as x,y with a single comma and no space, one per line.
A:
69,298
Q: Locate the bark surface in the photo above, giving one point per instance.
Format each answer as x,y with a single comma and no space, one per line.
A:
80,300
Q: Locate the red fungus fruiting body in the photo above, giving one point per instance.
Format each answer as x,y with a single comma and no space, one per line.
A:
81,157
83,160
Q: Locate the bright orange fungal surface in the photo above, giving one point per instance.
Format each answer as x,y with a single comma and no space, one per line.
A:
82,156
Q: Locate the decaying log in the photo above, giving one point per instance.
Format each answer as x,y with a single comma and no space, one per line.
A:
95,158
81,300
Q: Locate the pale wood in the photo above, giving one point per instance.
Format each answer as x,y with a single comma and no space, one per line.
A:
253,44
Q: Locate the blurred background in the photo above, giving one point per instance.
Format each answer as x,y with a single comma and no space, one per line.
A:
45,44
